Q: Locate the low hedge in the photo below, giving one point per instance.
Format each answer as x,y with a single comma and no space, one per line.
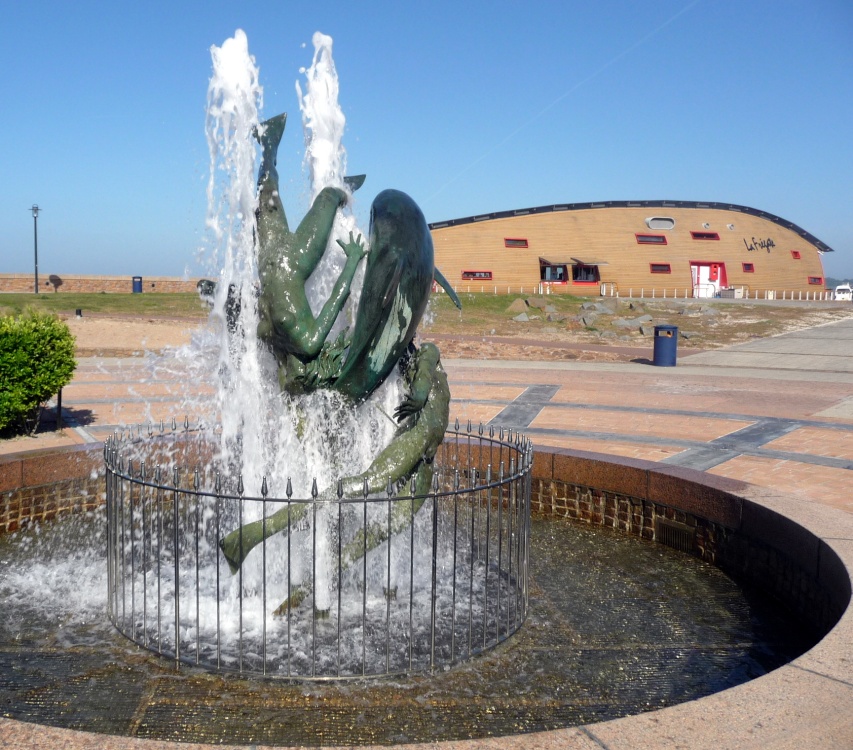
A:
36,360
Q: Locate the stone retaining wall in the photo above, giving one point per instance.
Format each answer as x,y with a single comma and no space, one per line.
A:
18,282
40,485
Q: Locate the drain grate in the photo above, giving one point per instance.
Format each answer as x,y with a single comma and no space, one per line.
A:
677,535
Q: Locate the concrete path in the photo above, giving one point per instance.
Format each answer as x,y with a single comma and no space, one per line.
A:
776,412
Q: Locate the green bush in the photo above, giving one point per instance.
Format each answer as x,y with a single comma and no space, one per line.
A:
36,360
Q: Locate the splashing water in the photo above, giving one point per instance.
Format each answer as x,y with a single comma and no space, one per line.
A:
266,434
325,159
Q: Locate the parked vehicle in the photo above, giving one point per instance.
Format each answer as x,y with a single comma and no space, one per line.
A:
843,292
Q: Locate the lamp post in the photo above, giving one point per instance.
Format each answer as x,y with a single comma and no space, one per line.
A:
35,209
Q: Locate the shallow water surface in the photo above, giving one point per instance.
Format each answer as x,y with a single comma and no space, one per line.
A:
617,626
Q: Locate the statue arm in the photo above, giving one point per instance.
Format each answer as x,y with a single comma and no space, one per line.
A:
310,333
427,362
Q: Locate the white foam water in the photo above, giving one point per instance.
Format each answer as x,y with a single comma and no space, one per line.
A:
267,435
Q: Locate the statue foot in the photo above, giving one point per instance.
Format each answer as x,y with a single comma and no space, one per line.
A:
269,136
355,181
230,546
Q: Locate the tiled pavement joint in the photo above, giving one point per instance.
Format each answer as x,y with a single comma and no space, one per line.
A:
521,412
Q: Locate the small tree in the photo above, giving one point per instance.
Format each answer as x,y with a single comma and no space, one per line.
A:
36,360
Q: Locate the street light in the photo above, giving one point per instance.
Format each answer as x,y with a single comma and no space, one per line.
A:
35,209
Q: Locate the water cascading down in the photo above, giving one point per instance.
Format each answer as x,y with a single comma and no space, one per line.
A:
331,524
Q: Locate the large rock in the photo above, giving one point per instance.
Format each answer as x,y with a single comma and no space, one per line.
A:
518,306
536,302
522,318
631,323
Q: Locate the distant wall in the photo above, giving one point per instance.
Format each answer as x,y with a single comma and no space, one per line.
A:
21,282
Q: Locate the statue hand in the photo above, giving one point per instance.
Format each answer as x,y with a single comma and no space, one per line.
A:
412,404
355,248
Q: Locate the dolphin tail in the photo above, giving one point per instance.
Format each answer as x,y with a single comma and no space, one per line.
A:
354,182
439,277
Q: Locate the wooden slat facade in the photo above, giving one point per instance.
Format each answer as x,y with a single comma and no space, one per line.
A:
782,257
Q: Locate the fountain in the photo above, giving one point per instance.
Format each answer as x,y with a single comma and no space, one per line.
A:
278,548
406,554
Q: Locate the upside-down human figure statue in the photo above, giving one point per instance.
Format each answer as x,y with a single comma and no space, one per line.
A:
398,279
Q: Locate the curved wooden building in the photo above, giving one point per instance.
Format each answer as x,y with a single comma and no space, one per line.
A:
671,248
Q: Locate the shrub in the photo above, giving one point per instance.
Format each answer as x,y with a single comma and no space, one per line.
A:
36,360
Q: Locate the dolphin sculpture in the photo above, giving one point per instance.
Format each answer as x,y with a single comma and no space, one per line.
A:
397,283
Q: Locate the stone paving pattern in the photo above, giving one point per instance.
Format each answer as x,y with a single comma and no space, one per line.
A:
776,412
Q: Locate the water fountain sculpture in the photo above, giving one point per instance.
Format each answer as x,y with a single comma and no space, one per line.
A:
413,559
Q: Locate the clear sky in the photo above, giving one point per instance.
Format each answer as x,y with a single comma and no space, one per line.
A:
469,106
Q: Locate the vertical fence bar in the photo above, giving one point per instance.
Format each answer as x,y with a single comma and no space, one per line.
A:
340,492
264,491
157,479
217,488
365,491
144,556
177,542
197,570
434,571
240,573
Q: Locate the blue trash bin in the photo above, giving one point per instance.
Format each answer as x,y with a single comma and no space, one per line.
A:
666,346
137,285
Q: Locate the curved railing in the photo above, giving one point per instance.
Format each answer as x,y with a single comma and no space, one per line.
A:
347,587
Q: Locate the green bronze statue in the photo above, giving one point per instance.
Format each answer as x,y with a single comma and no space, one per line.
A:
398,279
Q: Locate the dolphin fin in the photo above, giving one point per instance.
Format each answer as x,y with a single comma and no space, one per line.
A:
354,182
439,277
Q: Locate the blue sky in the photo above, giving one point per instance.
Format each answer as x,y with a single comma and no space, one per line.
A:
470,107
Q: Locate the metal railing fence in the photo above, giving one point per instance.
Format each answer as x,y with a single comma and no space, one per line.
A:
347,587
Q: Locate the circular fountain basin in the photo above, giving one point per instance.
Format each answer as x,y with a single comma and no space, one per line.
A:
768,539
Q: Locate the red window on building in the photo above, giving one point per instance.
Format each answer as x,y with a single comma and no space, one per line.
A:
815,280
479,275
795,254
705,235
515,242
660,268
748,268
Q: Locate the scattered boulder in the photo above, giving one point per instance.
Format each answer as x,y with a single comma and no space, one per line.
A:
522,318
555,317
647,330
550,309
685,334
541,304
518,306
633,323
588,320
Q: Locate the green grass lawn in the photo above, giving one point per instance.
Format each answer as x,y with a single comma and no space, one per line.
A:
181,305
